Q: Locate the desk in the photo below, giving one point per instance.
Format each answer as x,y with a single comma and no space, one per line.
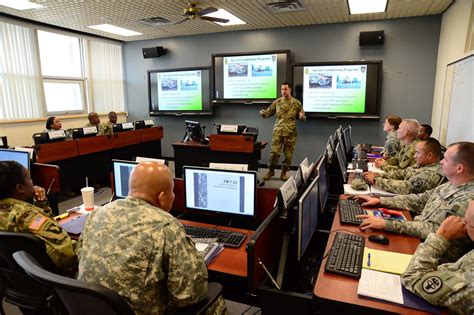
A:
196,154
333,289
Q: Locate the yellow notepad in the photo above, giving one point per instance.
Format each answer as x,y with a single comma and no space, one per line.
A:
385,261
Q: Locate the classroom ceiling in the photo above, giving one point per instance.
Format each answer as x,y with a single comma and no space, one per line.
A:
77,14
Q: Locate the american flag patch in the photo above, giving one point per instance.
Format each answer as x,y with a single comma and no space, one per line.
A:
37,222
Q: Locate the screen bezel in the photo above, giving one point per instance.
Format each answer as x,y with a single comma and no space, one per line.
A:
206,111
114,175
305,194
323,162
217,212
375,93
340,160
217,99
28,167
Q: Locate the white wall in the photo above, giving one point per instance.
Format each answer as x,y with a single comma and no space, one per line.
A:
455,24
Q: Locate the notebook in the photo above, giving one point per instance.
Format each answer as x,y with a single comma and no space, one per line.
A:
384,261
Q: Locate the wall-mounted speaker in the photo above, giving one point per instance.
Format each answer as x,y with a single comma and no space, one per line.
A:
371,38
153,52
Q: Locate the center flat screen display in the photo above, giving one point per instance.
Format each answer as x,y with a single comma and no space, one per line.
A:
308,216
331,89
224,191
21,157
250,77
185,91
122,170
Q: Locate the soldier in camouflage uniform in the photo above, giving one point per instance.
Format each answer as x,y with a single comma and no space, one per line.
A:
450,284
17,215
415,179
433,206
287,110
136,248
407,134
94,121
112,120
392,144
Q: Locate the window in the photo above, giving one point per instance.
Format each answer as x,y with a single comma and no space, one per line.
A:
61,95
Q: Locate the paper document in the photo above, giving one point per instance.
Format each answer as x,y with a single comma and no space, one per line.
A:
348,190
380,285
385,261
208,248
381,193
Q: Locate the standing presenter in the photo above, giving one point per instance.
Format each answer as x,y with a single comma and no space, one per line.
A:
287,110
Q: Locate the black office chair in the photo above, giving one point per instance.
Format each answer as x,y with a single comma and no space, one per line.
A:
15,285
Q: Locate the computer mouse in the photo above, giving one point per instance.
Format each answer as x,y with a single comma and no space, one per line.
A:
381,239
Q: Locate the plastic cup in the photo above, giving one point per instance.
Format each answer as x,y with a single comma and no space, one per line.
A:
88,197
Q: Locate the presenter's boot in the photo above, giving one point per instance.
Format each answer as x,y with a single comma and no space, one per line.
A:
284,177
269,175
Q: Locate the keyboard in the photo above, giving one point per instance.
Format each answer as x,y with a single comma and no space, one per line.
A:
228,238
348,210
345,257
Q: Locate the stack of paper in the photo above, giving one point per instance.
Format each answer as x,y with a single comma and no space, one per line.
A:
208,248
380,285
381,193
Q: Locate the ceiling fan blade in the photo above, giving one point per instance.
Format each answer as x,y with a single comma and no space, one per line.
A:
206,11
213,19
180,21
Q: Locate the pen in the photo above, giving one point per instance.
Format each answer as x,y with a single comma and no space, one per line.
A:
61,216
368,260
50,185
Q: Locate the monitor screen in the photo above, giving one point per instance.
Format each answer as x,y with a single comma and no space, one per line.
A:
329,151
194,130
185,91
223,191
345,89
19,156
341,161
321,168
308,214
347,139
122,170
248,77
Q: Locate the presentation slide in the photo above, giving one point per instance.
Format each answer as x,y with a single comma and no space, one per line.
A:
220,191
335,89
180,90
250,77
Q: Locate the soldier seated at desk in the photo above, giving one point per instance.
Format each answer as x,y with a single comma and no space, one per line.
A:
94,120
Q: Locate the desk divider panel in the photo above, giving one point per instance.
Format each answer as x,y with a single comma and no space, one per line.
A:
151,134
55,151
95,144
126,138
231,143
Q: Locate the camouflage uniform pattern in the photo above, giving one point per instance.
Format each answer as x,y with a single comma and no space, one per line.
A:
284,130
402,159
450,284
432,207
392,144
412,180
142,253
22,217
102,129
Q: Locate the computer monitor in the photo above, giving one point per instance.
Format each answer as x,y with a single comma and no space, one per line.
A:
142,124
329,151
332,141
194,131
84,132
321,169
3,142
233,193
343,149
126,126
49,136
299,177
122,170
308,215
230,129
342,163
13,155
347,139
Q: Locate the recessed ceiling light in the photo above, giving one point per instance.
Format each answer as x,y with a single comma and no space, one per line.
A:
366,6
114,30
223,14
20,4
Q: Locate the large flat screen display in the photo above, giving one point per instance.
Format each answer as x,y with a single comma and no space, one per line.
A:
339,88
250,77
184,91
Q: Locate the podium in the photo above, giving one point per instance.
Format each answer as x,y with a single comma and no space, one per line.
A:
231,143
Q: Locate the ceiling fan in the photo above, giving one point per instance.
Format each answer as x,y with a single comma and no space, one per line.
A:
193,12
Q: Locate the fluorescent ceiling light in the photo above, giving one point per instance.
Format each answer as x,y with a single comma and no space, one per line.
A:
223,14
114,30
20,4
367,6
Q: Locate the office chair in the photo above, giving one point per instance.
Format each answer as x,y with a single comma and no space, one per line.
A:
15,285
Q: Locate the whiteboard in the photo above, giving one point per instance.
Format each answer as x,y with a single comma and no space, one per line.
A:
458,113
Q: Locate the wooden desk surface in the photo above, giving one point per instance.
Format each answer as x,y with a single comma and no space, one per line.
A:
344,289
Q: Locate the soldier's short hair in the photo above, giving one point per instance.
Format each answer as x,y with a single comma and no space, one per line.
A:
432,145
11,174
393,120
464,154
287,83
428,129
413,126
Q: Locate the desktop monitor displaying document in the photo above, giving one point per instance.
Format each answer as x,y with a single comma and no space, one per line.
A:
341,161
308,214
19,156
321,169
220,191
122,170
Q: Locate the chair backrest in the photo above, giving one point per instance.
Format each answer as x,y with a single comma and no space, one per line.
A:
79,297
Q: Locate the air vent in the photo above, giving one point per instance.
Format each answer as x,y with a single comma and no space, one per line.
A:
155,21
284,6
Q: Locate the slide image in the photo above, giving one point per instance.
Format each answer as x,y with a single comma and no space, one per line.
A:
189,85
238,70
261,70
348,82
320,80
169,85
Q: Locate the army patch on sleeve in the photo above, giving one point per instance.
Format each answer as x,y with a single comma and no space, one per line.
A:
417,183
53,228
37,222
432,284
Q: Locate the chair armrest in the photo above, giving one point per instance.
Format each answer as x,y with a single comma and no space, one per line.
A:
214,290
